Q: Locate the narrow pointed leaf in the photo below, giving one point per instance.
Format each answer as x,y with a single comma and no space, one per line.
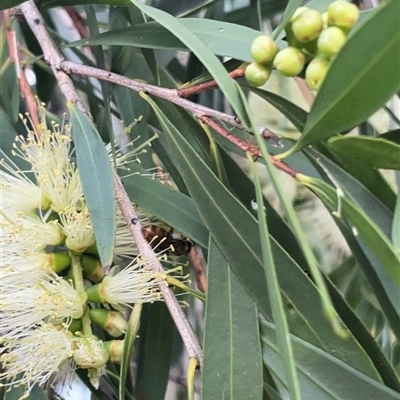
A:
278,311
96,176
396,225
374,151
323,376
366,228
232,353
222,213
221,38
129,343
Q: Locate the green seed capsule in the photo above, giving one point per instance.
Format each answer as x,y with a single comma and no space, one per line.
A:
257,74
315,72
331,41
343,14
263,49
289,61
297,12
307,26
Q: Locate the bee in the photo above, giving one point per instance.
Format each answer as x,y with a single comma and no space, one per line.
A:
164,240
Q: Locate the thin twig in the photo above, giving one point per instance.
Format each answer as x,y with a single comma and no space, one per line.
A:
201,87
51,53
54,58
245,146
172,96
24,87
168,94
146,252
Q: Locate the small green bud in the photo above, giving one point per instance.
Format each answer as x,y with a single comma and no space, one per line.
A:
289,61
115,349
343,14
263,49
92,269
257,74
75,325
112,321
315,72
331,41
307,26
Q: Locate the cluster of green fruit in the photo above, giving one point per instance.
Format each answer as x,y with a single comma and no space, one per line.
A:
312,38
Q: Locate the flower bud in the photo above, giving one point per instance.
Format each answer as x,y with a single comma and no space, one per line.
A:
60,260
263,49
92,269
75,325
257,74
331,41
111,321
315,72
289,61
115,349
343,14
307,26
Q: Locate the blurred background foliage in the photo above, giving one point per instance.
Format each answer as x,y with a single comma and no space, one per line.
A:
242,358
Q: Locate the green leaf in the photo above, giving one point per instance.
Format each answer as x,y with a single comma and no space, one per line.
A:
379,213
363,76
198,47
155,352
295,114
367,229
369,177
223,213
242,186
129,346
9,4
64,3
374,151
232,352
8,136
221,38
176,209
96,176
278,311
323,376
396,225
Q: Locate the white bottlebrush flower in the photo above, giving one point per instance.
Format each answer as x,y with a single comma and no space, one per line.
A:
129,154
21,233
35,357
91,354
136,283
18,192
26,269
77,227
23,306
49,153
